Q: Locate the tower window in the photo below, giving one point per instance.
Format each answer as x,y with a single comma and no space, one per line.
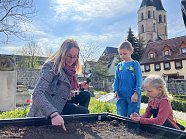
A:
160,18
154,27
153,14
164,18
149,15
142,16
142,29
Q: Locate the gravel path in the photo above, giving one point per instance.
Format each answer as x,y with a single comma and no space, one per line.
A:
177,114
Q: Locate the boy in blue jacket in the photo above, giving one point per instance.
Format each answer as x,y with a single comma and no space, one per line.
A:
127,82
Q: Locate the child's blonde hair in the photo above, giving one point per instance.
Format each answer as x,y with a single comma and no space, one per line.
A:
126,45
156,81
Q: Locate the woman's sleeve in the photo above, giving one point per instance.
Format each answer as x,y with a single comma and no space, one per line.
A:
45,79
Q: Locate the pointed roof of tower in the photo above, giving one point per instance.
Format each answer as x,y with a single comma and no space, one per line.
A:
158,4
146,3
155,3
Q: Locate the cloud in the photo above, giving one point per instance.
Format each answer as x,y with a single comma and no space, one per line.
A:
176,28
86,10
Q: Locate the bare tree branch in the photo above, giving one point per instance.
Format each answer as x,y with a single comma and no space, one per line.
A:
15,18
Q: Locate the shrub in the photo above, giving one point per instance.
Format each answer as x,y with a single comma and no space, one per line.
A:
17,113
178,101
100,107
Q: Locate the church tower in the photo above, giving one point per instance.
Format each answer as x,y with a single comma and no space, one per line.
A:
152,21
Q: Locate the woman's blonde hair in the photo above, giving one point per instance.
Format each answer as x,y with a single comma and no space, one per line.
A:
59,57
156,82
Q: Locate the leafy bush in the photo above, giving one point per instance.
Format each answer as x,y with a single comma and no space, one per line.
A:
100,107
178,101
144,98
17,113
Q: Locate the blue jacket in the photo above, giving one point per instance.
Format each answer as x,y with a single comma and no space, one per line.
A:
128,79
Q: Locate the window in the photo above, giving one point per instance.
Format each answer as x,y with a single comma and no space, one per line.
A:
154,27
178,64
142,29
147,68
153,14
149,15
166,53
164,18
157,67
142,16
165,30
183,50
160,18
167,66
151,55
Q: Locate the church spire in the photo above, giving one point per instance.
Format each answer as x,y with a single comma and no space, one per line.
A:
158,5
146,3
155,3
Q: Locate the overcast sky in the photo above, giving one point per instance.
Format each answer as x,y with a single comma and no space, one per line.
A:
99,22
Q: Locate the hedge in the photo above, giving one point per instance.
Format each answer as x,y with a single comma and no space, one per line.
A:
178,102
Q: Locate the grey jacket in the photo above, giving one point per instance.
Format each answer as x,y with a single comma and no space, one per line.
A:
50,94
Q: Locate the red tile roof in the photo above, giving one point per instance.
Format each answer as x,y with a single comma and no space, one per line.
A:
158,48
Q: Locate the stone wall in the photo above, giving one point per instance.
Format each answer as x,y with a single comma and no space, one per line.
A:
27,77
177,86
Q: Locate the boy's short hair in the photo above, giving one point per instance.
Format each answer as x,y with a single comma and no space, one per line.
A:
126,45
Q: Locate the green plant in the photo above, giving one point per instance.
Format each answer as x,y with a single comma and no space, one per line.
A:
17,113
100,107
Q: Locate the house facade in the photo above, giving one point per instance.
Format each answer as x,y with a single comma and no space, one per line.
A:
166,58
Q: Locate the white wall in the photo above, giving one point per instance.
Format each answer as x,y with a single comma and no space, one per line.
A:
8,81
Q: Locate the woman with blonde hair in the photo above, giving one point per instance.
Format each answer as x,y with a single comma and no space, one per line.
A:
57,91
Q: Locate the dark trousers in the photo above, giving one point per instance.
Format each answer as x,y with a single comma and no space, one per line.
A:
78,104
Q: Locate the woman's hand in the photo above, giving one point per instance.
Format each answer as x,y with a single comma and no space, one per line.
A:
57,120
84,85
134,97
135,117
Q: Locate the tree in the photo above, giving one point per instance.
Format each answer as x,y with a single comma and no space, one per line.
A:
88,52
15,18
30,55
137,44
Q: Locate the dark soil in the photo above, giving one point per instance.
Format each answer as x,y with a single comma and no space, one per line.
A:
96,130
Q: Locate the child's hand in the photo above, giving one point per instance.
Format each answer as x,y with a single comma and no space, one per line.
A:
135,117
134,97
115,95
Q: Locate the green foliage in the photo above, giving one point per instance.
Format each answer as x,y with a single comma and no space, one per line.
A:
179,105
144,98
100,92
99,70
17,113
137,44
178,102
179,96
101,107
